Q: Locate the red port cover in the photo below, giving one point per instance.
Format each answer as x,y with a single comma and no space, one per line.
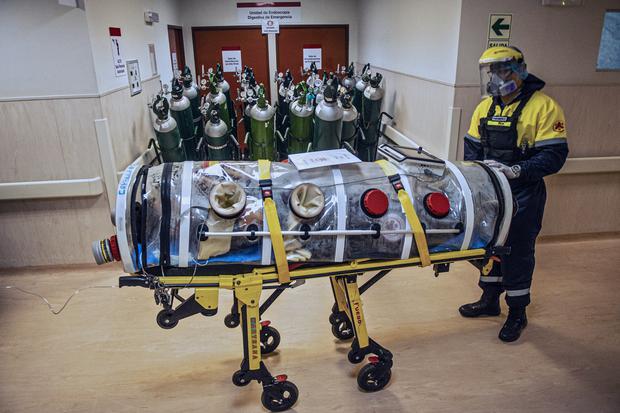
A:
437,204
375,203
116,254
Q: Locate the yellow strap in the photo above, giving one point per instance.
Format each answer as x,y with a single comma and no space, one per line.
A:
271,213
412,217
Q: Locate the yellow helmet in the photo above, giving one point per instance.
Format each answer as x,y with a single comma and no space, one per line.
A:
499,54
497,65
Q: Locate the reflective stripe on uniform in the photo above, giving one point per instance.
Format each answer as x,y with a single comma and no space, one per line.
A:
487,279
550,141
471,138
517,293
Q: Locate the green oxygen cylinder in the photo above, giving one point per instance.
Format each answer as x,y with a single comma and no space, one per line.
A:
349,123
167,132
216,99
360,87
327,122
371,117
224,86
263,142
181,111
300,114
191,92
218,141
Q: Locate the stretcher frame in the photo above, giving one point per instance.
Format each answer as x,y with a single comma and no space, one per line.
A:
347,318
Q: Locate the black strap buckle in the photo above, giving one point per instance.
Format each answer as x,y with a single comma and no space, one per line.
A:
265,187
396,182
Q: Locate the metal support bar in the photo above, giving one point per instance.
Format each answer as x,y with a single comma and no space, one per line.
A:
270,300
373,280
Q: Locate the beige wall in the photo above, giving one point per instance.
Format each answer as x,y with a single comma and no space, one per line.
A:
48,140
419,74
561,47
130,121
48,112
421,109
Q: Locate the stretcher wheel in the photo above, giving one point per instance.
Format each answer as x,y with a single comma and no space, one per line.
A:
231,320
269,339
370,378
355,357
333,317
165,321
239,378
342,329
280,397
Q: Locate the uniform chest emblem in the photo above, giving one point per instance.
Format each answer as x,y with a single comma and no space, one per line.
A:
558,126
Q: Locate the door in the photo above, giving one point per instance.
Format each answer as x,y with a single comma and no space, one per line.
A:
333,40
177,49
209,42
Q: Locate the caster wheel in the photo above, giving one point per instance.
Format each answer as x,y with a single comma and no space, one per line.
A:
269,339
239,378
370,381
231,320
164,319
343,330
280,397
333,318
355,357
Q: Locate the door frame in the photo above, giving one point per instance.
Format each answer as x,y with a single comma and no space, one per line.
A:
213,28
180,29
327,26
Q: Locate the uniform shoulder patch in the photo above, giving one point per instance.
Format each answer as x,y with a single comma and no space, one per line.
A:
558,126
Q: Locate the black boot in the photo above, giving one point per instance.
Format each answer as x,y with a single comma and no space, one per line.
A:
487,305
514,325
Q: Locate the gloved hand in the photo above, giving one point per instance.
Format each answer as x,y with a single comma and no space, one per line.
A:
510,172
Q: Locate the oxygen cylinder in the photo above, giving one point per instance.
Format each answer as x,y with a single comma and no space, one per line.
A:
224,86
327,122
262,145
191,92
349,81
218,143
217,100
181,111
371,113
349,123
249,100
360,87
319,87
167,132
300,113
284,82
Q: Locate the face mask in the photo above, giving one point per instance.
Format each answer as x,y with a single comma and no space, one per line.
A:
498,87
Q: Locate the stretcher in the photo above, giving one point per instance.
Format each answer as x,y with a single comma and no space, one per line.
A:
484,207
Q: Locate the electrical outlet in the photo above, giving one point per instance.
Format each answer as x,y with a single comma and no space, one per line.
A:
133,75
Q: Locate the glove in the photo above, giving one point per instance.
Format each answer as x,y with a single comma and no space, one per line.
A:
510,172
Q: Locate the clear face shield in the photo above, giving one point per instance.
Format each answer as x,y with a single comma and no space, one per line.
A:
496,79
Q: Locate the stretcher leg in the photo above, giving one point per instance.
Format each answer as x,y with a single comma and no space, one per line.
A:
269,336
278,393
340,321
377,373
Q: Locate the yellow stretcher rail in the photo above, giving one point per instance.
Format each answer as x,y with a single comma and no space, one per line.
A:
418,232
270,274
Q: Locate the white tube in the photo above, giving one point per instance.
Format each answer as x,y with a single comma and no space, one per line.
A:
326,233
